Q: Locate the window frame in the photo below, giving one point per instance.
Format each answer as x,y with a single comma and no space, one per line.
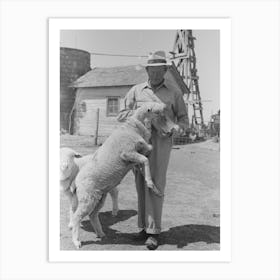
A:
114,114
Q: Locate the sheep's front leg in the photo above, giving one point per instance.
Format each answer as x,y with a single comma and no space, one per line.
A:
73,203
73,208
140,159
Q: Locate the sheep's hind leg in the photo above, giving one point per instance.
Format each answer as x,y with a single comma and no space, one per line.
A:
94,219
114,195
80,213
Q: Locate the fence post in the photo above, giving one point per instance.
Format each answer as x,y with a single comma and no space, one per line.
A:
96,127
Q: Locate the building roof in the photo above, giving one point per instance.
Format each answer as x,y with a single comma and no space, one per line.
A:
113,76
123,76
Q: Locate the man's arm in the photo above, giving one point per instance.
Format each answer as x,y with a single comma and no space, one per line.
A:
181,113
129,105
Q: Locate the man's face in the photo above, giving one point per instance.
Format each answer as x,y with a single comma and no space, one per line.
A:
156,74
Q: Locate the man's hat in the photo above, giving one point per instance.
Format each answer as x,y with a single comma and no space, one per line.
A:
157,58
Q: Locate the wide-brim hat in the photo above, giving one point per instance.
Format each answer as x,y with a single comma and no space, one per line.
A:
157,58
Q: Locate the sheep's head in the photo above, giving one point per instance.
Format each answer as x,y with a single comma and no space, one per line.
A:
149,111
67,163
156,115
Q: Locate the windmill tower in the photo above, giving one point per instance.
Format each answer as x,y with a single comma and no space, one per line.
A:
184,58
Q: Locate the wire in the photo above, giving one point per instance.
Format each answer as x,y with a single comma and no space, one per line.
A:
111,54
138,56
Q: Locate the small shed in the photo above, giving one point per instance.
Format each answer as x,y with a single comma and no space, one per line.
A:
104,89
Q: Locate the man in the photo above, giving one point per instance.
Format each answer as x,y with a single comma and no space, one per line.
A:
155,89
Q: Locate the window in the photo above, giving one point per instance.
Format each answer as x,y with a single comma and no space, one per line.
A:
113,105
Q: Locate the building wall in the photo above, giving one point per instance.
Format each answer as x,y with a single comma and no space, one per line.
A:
73,64
88,100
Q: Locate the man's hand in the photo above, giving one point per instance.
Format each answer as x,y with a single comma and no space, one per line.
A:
179,130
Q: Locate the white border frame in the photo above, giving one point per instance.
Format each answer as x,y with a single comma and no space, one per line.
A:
222,24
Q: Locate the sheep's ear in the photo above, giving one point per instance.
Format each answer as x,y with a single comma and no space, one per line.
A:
77,156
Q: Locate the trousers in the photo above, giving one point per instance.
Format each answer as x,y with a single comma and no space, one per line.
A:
149,204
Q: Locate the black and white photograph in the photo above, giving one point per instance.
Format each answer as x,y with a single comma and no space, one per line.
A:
139,140
144,128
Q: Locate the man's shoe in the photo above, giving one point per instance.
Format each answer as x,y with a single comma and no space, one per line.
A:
140,236
152,242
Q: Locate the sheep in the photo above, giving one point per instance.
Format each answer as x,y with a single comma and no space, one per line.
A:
125,148
70,164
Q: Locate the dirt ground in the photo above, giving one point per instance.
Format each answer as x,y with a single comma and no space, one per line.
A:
191,214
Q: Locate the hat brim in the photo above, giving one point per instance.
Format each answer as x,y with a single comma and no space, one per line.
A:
156,64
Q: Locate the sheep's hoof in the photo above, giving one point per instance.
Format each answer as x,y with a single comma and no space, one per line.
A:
78,244
152,186
115,212
100,235
150,147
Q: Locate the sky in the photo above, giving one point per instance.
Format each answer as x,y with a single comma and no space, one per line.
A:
141,43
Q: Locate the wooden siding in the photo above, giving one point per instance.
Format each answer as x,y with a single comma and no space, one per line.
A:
87,103
87,118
